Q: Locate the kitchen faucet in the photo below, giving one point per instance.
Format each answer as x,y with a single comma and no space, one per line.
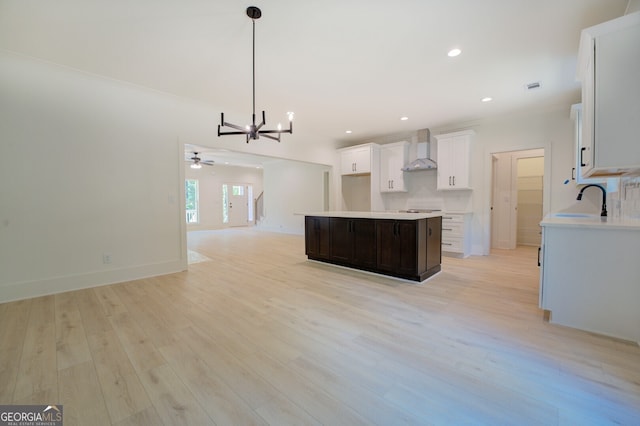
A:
604,197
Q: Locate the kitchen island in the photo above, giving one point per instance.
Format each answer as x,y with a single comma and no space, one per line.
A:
403,245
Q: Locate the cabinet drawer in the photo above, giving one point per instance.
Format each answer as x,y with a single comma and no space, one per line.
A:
452,244
452,217
452,229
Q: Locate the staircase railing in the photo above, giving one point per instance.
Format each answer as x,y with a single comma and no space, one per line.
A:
259,208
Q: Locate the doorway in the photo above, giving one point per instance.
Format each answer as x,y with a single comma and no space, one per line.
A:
517,198
236,209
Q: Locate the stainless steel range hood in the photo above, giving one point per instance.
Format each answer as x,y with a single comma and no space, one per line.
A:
423,162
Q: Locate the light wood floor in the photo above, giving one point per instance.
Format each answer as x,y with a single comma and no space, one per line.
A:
260,335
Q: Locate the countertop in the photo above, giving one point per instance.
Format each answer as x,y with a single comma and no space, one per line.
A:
590,221
374,215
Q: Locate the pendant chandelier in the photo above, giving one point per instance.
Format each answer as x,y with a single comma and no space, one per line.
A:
253,130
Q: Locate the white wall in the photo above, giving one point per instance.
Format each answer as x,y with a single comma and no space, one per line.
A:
291,187
551,130
210,181
91,166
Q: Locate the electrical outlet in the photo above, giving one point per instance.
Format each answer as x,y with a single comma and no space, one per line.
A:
106,258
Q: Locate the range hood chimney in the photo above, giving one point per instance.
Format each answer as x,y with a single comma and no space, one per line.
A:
423,162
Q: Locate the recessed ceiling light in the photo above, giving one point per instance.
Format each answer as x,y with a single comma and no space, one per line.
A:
454,52
348,132
404,118
487,99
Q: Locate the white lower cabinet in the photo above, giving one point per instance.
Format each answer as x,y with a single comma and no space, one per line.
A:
590,278
456,234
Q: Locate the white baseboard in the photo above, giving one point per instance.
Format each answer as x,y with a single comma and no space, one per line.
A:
28,289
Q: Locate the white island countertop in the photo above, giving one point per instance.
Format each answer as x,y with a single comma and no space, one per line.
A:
374,215
577,220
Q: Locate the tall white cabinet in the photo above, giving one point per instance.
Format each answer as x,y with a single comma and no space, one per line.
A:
393,157
608,67
453,158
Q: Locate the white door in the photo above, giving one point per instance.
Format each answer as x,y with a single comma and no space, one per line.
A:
504,205
238,205
505,213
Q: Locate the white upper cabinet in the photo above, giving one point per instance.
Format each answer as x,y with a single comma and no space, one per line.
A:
580,149
355,160
454,152
608,67
392,158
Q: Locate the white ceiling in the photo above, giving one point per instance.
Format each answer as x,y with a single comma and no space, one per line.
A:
339,65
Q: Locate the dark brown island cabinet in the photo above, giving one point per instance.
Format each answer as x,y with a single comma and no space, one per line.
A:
408,248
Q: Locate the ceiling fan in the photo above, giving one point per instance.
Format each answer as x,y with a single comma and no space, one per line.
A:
198,162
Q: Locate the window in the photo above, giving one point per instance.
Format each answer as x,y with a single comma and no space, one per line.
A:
191,196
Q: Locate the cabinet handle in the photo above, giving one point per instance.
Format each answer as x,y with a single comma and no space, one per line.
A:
447,217
539,249
429,231
447,229
449,180
582,150
454,181
447,244
573,173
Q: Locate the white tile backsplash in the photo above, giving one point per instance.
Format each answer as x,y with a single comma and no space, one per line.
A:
630,197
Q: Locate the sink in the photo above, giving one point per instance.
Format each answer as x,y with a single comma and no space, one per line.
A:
573,215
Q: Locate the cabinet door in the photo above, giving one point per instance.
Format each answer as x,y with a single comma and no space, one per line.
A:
610,92
580,154
585,154
453,162
445,164
397,246
346,163
392,158
617,97
434,245
460,153
406,249
317,237
355,161
386,240
362,158
364,243
341,239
